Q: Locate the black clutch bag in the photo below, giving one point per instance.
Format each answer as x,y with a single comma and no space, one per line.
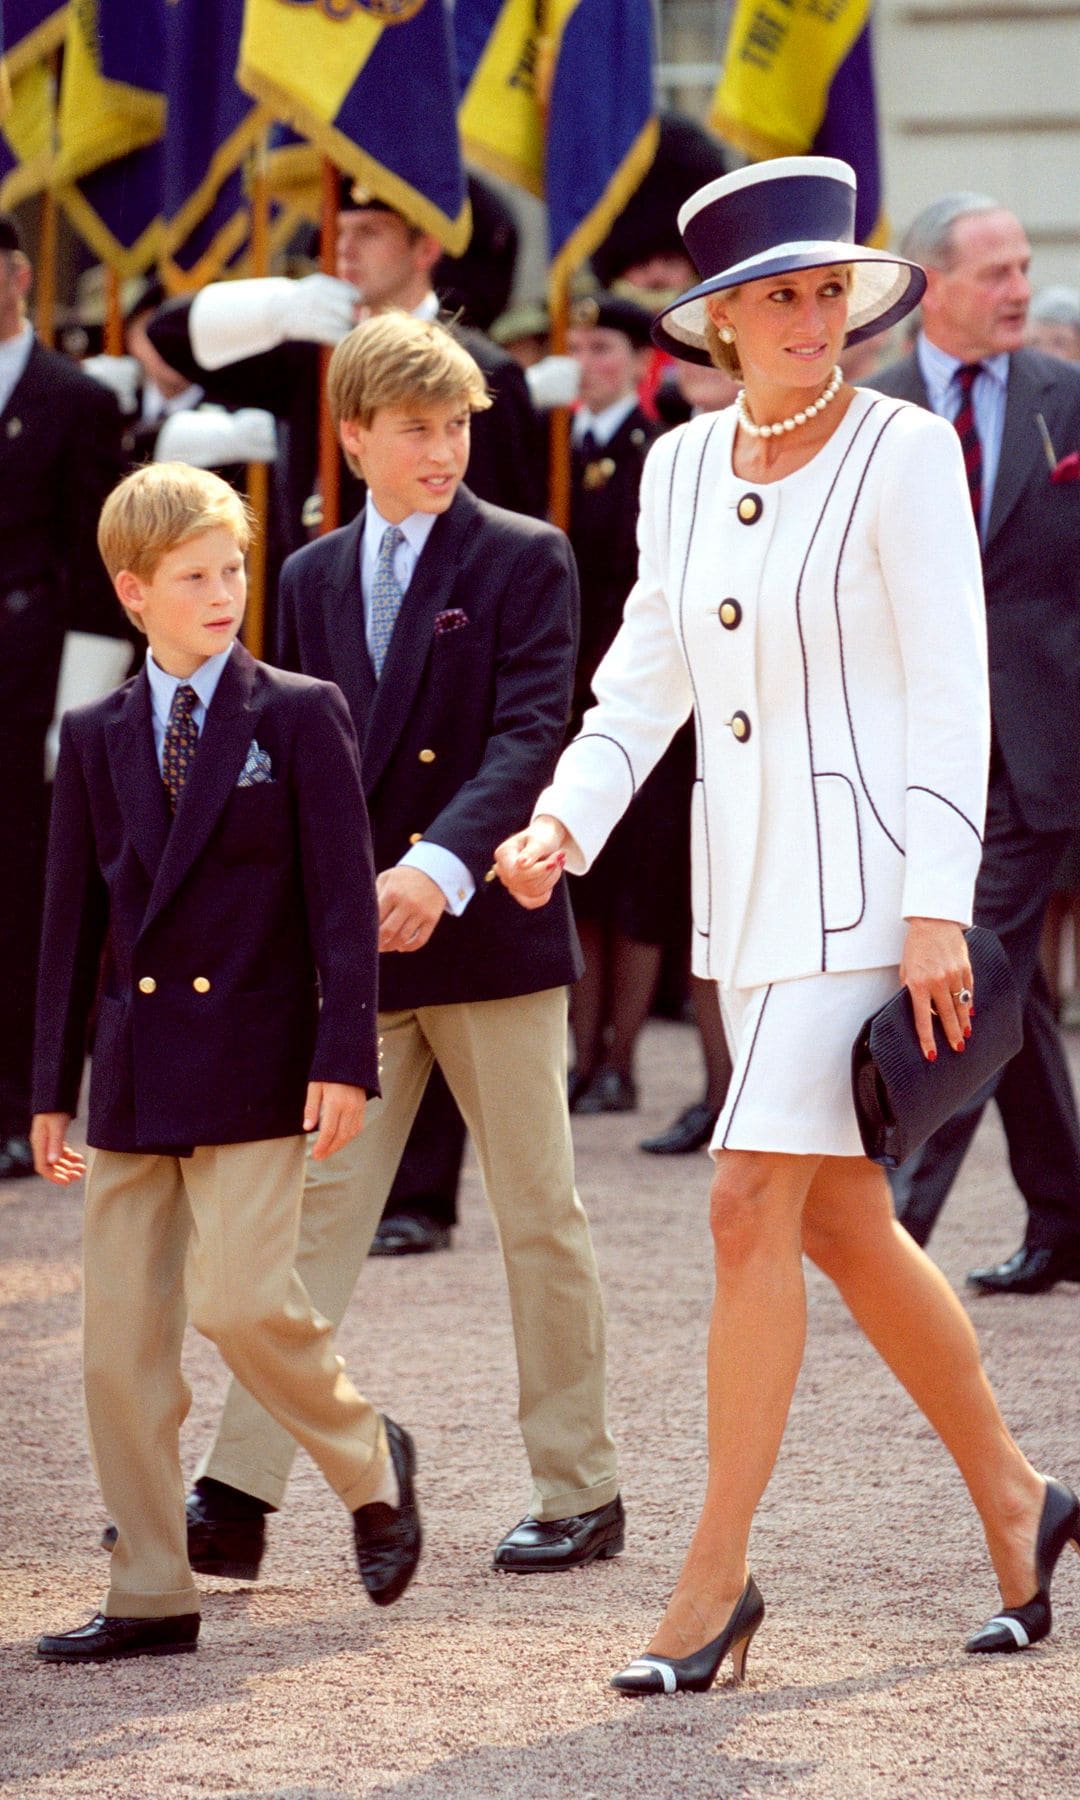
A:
900,1098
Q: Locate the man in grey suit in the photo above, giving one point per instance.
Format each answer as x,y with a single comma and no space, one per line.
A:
1018,414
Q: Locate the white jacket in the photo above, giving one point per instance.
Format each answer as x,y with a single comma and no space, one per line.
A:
829,637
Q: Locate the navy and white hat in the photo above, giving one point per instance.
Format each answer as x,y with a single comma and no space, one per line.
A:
794,212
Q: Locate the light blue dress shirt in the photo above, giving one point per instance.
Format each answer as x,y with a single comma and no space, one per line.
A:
446,870
989,392
163,687
14,356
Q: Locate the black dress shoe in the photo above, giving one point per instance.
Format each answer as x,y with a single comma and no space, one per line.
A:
577,1084
103,1640
16,1158
696,1673
1018,1626
409,1234
226,1531
692,1130
1033,1270
608,1092
389,1538
537,1545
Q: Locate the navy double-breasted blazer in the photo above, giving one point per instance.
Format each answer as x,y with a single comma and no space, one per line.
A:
236,942
462,730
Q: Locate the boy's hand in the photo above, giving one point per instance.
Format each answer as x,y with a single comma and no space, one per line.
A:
410,907
530,864
53,1158
338,1111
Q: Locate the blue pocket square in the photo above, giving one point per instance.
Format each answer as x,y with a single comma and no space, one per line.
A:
256,768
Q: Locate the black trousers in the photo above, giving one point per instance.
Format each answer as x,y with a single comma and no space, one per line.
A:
1033,1092
430,1168
24,819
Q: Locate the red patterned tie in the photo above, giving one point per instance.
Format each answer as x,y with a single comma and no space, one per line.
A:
181,741
970,441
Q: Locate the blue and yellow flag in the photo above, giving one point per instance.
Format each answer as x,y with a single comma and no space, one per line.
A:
797,80
557,97
32,31
372,84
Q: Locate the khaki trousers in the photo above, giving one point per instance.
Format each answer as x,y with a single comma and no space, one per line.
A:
212,1236
505,1063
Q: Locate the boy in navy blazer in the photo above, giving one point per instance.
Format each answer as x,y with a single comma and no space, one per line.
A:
210,878
451,628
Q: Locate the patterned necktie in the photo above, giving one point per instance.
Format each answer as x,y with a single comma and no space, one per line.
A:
385,597
970,441
181,741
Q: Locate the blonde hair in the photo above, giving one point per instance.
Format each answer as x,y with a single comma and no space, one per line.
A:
162,505
396,360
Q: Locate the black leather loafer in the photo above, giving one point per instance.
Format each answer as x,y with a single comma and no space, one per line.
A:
1032,1270
409,1234
104,1640
225,1537
608,1092
692,1130
537,1545
16,1159
389,1538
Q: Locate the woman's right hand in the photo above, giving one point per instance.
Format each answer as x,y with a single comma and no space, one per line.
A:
531,862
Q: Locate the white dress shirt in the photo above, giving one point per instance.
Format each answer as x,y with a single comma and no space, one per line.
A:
14,356
163,687
603,424
989,391
446,870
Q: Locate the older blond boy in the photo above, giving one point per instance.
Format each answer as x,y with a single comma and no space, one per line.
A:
210,853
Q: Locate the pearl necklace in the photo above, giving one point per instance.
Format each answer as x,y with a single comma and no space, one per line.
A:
835,383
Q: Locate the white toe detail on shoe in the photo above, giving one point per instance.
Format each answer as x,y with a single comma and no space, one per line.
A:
644,1665
1012,1625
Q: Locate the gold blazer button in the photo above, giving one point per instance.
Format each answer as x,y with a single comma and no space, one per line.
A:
427,756
147,985
416,837
201,984
730,614
750,508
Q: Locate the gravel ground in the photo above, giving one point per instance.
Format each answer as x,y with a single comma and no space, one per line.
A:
485,1686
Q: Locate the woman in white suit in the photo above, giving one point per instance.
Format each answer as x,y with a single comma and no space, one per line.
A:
809,589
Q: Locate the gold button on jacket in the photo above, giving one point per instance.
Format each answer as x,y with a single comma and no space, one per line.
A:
427,756
750,509
740,726
730,614
416,837
201,984
147,985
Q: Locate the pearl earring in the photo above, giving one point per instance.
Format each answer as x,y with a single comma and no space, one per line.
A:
727,336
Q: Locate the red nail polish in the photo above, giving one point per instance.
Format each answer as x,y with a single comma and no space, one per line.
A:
931,1056
967,1031
971,1012
960,1045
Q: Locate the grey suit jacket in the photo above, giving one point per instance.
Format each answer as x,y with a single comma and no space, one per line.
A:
1031,572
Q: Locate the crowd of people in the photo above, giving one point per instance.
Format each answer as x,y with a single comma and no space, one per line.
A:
792,702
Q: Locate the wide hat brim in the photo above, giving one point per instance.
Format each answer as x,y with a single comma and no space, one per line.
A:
884,289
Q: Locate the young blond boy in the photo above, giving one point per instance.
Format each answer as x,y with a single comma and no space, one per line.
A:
450,626
210,853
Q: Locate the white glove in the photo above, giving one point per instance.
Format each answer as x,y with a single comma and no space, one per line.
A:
230,320
207,437
120,374
553,381
90,667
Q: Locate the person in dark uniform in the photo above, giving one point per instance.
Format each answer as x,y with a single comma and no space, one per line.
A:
60,454
619,906
260,341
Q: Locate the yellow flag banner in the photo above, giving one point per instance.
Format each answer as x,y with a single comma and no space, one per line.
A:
504,59
100,120
779,65
28,125
371,83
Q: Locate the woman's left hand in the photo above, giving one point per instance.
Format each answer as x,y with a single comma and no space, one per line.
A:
936,971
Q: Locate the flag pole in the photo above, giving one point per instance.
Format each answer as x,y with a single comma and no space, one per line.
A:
45,272
258,473
329,464
559,426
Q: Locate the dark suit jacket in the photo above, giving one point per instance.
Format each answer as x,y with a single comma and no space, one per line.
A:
506,463
218,929
1031,571
461,732
60,454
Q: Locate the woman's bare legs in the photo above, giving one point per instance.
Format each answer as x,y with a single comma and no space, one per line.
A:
915,1322
755,1348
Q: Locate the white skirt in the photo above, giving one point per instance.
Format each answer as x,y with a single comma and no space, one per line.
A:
790,1046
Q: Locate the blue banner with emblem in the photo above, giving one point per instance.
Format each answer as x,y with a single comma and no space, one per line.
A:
372,83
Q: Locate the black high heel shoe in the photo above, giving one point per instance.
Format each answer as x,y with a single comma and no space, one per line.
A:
1016,1627
693,1674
